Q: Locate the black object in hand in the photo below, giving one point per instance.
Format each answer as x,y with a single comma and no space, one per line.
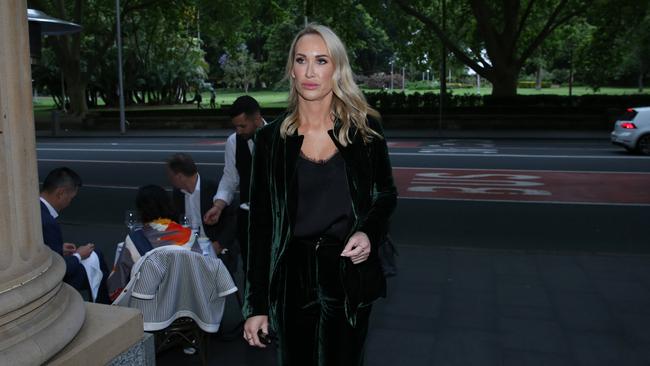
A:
264,337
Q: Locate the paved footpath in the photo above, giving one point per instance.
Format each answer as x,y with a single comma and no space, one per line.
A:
463,307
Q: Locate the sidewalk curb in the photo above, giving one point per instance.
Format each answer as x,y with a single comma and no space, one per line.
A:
390,133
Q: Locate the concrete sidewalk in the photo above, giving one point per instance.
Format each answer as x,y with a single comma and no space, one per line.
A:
464,307
493,307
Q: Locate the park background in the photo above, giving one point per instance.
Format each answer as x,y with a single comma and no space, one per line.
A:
568,57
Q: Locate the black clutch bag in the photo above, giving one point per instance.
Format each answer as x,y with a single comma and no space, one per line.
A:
363,283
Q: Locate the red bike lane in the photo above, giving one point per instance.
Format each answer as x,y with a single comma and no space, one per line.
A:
524,185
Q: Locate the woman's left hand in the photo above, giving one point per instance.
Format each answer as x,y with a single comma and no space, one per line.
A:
358,248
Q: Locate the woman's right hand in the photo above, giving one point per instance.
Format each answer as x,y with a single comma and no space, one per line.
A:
252,326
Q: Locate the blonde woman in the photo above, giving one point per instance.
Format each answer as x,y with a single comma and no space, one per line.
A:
321,195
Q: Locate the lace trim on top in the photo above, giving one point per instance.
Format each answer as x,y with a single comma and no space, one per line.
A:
318,161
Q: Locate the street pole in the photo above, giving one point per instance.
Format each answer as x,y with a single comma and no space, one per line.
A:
570,70
304,11
392,63
63,92
198,23
119,68
443,68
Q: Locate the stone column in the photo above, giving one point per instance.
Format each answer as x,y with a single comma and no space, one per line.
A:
39,314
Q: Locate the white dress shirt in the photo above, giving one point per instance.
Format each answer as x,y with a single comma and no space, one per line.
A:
229,183
193,207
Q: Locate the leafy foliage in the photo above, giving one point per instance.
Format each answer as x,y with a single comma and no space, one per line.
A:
240,69
175,47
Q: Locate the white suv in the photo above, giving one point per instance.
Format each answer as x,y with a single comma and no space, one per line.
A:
632,130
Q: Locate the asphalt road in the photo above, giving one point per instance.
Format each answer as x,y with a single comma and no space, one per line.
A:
583,195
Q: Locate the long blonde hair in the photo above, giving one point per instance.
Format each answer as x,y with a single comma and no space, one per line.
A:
349,105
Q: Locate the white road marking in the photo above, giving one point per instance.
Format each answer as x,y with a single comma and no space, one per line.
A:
129,150
118,162
98,186
604,157
523,156
521,170
525,202
460,147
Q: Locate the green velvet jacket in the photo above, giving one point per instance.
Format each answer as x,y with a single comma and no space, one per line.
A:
273,207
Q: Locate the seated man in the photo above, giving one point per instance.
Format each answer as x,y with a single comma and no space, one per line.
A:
192,198
85,267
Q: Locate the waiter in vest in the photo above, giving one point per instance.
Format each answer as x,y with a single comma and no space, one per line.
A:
245,116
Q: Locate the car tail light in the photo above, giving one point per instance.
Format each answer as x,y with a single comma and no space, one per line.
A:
628,125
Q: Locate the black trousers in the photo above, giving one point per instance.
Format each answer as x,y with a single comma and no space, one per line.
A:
313,329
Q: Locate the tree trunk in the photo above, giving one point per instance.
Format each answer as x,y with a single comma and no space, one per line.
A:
641,74
56,97
504,85
538,77
76,90
641,82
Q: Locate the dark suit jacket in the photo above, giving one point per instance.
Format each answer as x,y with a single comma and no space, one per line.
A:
273,202
224,230
75,273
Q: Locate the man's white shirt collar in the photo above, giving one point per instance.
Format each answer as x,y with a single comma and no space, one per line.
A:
49,208
197,187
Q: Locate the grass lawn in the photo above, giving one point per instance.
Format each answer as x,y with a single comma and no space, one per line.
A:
265,98
278,99
580,90
268,99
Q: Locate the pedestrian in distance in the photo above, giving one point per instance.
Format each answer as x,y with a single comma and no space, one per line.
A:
198,99
213,99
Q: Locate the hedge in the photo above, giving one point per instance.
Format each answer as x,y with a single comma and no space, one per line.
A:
429,102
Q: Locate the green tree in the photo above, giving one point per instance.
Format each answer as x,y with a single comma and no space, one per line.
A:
162,55
616,49
240,69
508,31
638,57
561,51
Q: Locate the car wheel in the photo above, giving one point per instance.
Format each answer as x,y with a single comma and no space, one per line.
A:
643,146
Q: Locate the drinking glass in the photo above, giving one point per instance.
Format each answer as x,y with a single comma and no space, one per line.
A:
130,219
185,221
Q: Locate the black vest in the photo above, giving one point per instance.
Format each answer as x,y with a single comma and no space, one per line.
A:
243,163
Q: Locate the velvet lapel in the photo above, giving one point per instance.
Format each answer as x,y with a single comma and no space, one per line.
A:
292,147
351,155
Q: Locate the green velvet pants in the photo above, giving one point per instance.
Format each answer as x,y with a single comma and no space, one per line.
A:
313,327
